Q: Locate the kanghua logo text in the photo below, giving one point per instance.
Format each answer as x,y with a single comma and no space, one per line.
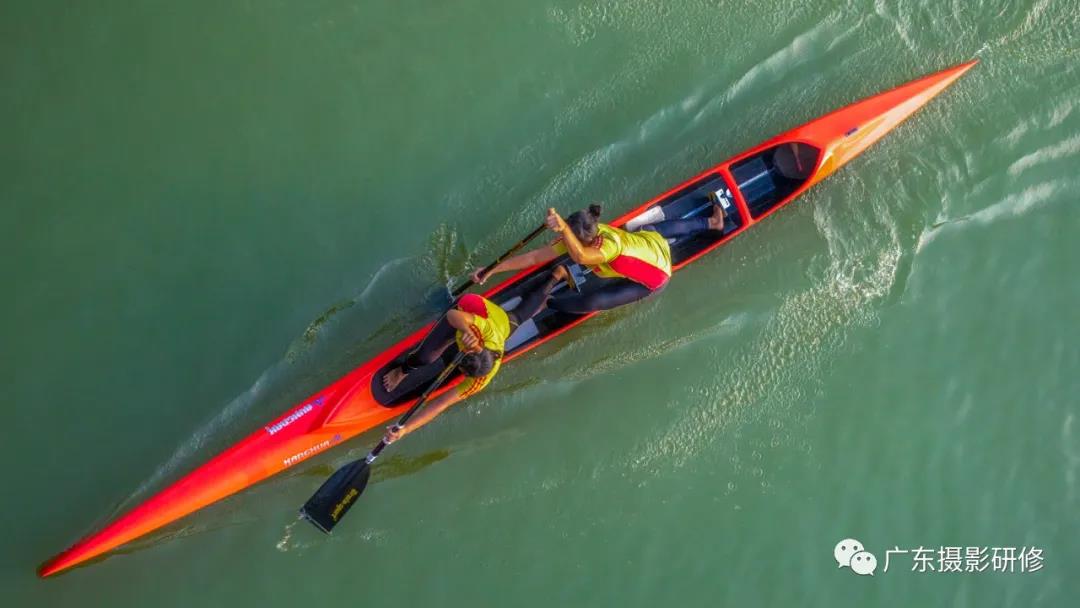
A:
295,458
293,417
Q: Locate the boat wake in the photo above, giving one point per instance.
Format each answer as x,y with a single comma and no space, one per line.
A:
764,377
650,350
1062,150
1012,206
1032,181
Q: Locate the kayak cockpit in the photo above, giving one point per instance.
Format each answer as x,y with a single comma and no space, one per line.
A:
772,176
691,201
694,200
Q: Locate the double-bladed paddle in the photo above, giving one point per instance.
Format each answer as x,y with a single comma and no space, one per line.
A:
338,494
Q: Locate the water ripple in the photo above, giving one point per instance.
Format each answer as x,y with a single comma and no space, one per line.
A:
1012,206
1062,149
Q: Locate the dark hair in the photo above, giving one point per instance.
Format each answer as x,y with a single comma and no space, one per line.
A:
583,223
478,364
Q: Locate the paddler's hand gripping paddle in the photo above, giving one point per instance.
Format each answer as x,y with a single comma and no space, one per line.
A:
337,495
454,295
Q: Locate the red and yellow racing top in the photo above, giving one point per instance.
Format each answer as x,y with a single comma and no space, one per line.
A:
492,326
643,257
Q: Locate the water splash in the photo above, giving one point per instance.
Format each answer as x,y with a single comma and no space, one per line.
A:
286,542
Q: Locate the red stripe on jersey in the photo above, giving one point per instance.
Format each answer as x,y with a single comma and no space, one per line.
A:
639,271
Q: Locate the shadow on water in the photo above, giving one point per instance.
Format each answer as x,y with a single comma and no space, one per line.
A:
388,467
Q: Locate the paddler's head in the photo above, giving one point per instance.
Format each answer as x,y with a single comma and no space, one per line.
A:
478,364
583,224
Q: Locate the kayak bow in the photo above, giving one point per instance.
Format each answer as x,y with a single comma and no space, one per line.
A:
751,186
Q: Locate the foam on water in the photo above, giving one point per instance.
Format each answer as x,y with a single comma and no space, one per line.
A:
777,66
766,375
1063,149
900,22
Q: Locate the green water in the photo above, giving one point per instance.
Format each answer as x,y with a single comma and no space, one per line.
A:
210,210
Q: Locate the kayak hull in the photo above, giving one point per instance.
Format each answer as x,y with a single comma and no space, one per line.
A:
790,163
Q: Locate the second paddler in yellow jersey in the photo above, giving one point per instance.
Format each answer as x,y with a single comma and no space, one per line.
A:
631,265
478,327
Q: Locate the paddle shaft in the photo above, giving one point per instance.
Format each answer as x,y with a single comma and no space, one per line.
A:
457,359
436,383
454,295
499,260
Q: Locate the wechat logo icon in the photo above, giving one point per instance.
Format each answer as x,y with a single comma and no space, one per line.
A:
851,553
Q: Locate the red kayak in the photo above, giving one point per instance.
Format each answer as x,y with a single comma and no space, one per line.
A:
751,186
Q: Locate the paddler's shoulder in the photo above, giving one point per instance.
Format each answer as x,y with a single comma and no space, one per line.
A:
494,310
607,231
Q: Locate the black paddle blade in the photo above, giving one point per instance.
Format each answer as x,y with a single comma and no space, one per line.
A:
337,495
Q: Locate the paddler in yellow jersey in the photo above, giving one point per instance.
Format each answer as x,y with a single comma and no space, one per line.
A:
633,264
480,328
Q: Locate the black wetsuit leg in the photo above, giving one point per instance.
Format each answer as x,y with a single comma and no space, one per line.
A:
438,339
614,293
673,229
532,302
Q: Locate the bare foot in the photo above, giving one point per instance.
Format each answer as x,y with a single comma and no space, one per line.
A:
716,220
393,378
560,273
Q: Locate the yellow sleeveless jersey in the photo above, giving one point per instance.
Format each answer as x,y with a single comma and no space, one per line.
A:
643,257
492,326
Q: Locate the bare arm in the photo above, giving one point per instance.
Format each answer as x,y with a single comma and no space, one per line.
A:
459,319
462,321
522,261
435,407
586,256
